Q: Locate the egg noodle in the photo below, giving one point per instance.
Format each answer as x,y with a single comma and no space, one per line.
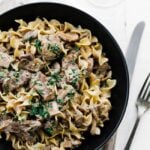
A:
55,85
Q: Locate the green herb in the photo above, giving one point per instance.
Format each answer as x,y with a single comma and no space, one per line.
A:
54,78
2,57
65,87
74,71
49,130
71,94
59,101
50,105
16,74
38,45
76,48
75,78
54,48
2,74
104,83
73,61
74,81
29,39
40,84
39,110
40,91
37,83
49,46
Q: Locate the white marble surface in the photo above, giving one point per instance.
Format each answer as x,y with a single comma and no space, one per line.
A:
120,21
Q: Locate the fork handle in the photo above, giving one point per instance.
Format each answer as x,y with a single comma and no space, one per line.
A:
127,147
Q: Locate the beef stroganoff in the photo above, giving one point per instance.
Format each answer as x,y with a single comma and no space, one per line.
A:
55,85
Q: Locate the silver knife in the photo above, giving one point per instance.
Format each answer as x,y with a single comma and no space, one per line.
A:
133,47
131,55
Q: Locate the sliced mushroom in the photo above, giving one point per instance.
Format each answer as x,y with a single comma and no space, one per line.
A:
5,60
90,64
54,39
55,68
31,64
30,34
10,84
102,70
69,37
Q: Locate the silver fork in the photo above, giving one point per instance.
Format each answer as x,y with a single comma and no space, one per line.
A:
142,105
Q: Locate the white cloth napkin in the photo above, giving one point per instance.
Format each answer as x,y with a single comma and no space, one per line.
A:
120,21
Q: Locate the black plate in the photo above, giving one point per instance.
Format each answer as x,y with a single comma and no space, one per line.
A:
113,52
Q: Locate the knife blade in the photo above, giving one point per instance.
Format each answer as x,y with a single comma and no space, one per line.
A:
131,55
133,47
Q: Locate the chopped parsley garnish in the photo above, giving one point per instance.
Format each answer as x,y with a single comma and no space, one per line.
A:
38,45
59,101
104,83
75,77
54,78
40,91
37,82
39,110
74,71
71,94
1,74
29,39
54,48
74,81
49,105
75,48
16,74
49,131
65,87
51,128
73,61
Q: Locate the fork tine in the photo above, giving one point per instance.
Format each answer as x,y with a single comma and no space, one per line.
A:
141,91
145,92
148,96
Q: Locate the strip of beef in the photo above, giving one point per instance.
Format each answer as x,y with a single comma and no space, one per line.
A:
69,59
24,77
20,129
5,60
66,93
71,69
15,80
39,83
51,47
31,64
69,37
54,39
